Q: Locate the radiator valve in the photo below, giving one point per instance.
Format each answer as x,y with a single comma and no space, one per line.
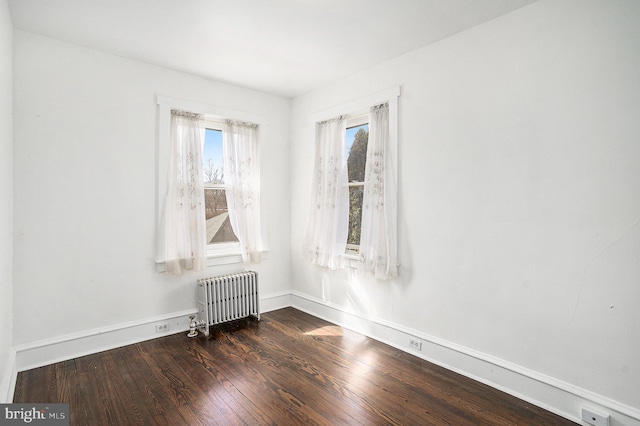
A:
193,325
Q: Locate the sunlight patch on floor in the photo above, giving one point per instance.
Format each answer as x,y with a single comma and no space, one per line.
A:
327,330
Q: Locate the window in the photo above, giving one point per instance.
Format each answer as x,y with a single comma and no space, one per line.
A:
352,216
223,244
218,224
357,137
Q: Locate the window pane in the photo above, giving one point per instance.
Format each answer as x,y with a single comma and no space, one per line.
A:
218,225
212,157
355,214
215,201
357,138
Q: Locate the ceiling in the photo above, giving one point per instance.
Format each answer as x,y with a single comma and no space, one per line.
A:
284,47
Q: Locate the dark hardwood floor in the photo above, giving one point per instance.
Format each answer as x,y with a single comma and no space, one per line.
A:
289,369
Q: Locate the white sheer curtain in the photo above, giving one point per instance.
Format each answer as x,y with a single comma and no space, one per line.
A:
185,223
326,234
242,182
378,233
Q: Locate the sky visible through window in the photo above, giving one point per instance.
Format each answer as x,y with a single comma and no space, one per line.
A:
213,145
212,149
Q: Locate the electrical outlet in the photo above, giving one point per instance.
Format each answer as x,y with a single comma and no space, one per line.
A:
162,327
415,344
595,417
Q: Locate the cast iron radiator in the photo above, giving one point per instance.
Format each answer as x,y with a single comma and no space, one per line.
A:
227,298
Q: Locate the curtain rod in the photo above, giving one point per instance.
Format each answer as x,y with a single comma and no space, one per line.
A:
354,116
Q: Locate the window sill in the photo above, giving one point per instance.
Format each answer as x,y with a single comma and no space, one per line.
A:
215,259
351,261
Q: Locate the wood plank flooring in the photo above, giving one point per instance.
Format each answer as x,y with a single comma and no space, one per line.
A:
289,369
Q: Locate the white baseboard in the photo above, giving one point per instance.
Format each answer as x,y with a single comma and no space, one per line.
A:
546,392
275,301
8,374
62,348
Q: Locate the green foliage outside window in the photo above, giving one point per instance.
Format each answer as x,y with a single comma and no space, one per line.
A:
356,162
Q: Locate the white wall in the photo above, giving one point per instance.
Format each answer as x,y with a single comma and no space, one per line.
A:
6,202
518,207
519,158
85,188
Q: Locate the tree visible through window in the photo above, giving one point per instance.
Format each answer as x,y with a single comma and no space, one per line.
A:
348,208
215,201
357,138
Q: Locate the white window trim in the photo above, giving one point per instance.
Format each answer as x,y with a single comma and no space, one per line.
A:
360,108
217,254
220,249
352,250
358,120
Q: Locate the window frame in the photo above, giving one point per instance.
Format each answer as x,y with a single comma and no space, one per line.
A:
360,107
218,249
217,254
355,121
